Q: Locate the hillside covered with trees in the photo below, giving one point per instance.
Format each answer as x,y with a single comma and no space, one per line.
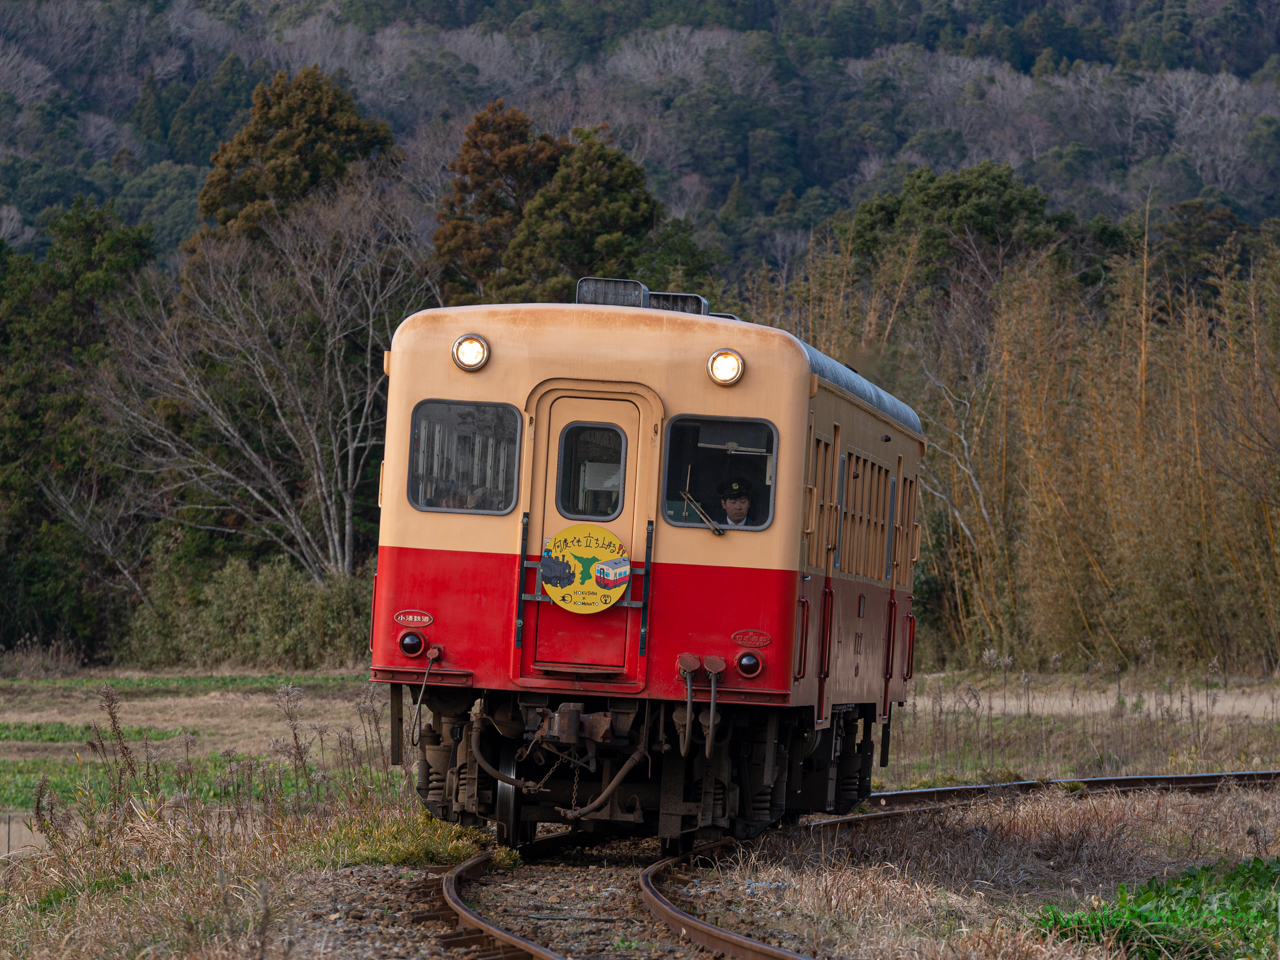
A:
1046,227
756,120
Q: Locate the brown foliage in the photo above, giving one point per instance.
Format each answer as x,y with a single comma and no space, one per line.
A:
501,166
302,133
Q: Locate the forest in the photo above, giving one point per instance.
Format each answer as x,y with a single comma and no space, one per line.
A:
1048,227
816,105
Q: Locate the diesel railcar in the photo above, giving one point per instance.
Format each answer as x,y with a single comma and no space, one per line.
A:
761,498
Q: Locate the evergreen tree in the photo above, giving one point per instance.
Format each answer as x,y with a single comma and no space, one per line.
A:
985,204
302,132
500,167
148,113
593,219
52,340
736,206
217,107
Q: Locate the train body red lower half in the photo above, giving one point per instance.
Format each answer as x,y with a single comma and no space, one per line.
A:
813,642
470,600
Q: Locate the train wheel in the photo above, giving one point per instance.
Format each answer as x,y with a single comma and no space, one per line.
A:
511,830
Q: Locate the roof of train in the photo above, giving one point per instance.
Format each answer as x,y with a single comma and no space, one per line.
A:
827,368
850,380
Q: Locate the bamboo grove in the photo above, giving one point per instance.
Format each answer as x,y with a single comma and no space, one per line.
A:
1102,480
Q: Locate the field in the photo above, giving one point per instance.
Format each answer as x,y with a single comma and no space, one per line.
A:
991,879
958,728
211,806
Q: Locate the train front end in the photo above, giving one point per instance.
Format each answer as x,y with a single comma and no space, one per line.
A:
588,568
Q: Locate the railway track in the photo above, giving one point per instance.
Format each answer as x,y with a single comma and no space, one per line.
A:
485,939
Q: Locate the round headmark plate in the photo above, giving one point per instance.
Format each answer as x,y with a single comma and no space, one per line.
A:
584,568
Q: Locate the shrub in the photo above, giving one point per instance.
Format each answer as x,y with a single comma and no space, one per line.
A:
273,615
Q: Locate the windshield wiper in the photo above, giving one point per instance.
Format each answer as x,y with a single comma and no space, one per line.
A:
702,514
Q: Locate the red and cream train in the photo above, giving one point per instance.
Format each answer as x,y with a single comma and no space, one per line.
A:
639,567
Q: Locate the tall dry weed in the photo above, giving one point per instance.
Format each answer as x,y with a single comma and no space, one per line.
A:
148,869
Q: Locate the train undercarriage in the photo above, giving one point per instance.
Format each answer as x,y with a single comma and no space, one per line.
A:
620,765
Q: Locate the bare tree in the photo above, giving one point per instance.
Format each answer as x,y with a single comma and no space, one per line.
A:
1212,116
105,136
687,195
21,76
65,35
13,229
428,153
514,66
112,517
253,395
654,58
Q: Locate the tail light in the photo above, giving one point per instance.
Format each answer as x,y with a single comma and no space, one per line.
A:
412,644
749,664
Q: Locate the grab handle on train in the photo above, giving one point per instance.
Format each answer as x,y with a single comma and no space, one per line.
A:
828,609
804,642
911,647
889,642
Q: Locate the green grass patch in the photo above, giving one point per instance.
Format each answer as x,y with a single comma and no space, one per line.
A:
1215,911
398,834
58,732
207,780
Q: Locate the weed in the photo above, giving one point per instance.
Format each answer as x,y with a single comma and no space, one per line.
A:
1214,911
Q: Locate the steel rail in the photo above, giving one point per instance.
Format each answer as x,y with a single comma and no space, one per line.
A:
896,804
488,940
708,935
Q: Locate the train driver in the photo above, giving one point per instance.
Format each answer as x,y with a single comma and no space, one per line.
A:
735,501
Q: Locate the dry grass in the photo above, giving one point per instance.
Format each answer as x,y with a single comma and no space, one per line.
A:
31,660
971,727
961,881
144,870
239,714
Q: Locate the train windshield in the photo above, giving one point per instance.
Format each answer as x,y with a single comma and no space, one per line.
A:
720,469
463,457
591,471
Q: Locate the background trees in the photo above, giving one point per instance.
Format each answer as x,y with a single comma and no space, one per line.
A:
54,583
1042,228
592,219
805,108
528,216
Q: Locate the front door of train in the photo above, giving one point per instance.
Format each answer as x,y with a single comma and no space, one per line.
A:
590,496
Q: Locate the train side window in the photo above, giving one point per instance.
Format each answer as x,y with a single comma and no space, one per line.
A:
725,466
592,466
464,457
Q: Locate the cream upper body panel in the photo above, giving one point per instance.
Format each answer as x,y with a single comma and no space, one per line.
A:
656,358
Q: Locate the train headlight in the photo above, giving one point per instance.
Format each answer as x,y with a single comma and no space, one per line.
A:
725,367
471,351
412,644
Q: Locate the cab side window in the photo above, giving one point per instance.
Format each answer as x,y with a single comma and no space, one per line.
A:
463,457
721,469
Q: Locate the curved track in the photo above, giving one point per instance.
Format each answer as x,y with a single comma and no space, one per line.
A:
493,942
